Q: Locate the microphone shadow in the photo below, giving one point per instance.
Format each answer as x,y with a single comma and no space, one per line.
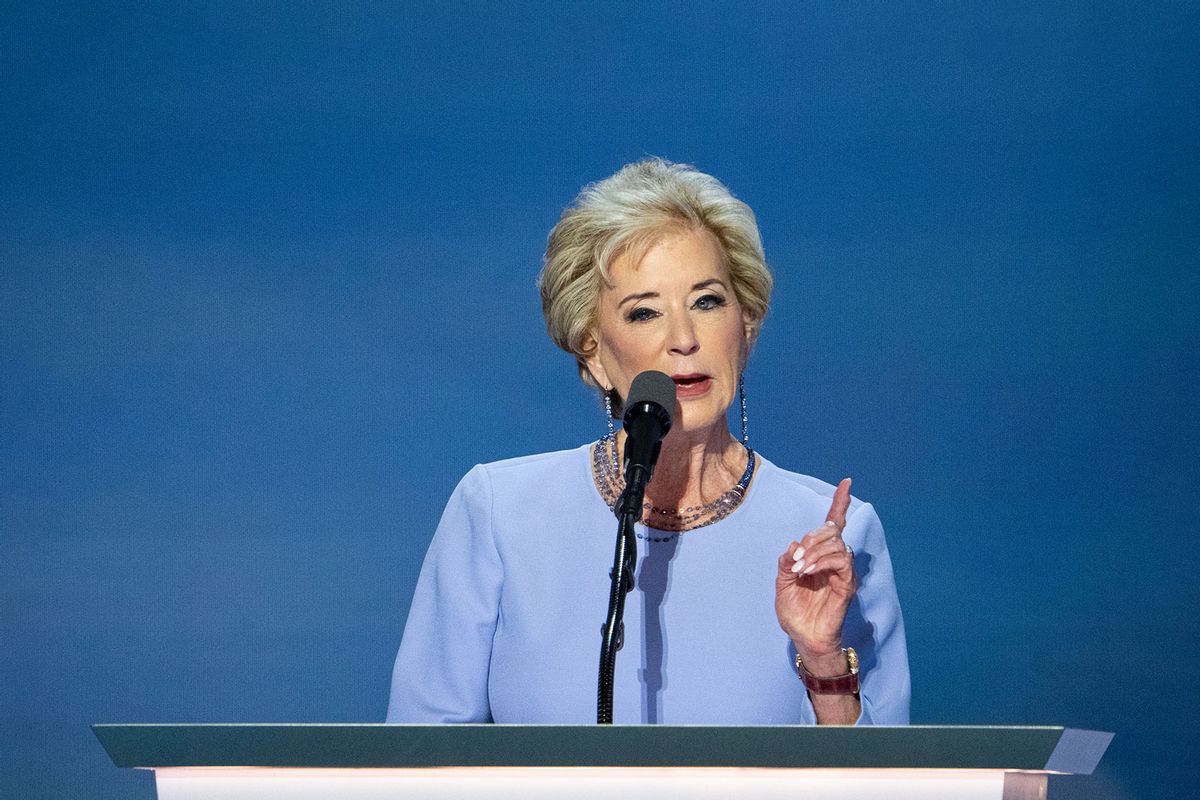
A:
654,582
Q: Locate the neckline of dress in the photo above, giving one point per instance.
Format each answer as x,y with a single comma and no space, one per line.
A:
755,463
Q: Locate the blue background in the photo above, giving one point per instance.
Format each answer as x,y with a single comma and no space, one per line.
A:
267,291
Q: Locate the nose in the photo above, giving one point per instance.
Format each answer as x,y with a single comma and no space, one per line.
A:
682,334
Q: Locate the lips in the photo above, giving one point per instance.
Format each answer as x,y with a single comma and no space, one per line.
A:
693,384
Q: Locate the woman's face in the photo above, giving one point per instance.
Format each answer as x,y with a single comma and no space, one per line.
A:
674,311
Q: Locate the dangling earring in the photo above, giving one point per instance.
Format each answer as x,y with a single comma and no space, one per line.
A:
612,434
742,399
608,412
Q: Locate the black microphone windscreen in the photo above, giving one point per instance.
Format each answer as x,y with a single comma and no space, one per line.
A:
655,387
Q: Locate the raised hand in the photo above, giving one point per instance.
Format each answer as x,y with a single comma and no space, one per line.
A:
815,584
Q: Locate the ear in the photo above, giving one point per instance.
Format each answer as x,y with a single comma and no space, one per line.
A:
591,348
749,334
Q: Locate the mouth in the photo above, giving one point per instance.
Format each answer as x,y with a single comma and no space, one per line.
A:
691,385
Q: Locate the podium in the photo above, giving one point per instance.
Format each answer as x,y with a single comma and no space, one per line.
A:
532,762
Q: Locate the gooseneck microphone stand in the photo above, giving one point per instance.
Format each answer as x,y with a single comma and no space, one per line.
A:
646,423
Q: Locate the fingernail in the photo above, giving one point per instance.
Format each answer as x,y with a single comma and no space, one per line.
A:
831,523
799,554
799,565
810,568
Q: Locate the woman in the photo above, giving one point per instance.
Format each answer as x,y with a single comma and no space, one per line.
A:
657,267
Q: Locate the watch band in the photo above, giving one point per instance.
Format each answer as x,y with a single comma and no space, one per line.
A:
838,684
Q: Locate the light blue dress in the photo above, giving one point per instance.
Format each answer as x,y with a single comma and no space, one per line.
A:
505,622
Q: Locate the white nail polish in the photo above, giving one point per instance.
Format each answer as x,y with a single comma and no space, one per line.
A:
799,565
831,523
799,554
810,568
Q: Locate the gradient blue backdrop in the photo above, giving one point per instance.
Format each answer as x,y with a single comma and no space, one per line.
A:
267,291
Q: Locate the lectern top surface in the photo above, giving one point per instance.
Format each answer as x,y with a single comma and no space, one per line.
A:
781,746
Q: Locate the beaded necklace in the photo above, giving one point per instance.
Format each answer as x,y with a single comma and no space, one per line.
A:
611,483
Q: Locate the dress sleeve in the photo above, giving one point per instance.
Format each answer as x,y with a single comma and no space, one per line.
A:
874,627
441,672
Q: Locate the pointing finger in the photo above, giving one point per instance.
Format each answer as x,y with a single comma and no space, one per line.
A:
841,502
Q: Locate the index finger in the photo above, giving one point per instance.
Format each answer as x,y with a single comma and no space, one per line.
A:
841,502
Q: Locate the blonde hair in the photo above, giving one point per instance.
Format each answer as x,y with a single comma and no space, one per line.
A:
628,213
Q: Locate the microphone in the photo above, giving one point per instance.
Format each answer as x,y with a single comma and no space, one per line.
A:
647,420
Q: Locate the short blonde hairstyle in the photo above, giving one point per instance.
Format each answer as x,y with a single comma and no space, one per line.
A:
629,212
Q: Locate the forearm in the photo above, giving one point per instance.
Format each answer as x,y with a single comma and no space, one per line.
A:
836,709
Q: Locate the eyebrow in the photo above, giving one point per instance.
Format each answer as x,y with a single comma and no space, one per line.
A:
700,285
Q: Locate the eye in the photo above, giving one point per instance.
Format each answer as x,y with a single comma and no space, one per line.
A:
708,302
641,314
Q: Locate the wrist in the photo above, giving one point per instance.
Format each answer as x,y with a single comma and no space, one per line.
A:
821,655
824,664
